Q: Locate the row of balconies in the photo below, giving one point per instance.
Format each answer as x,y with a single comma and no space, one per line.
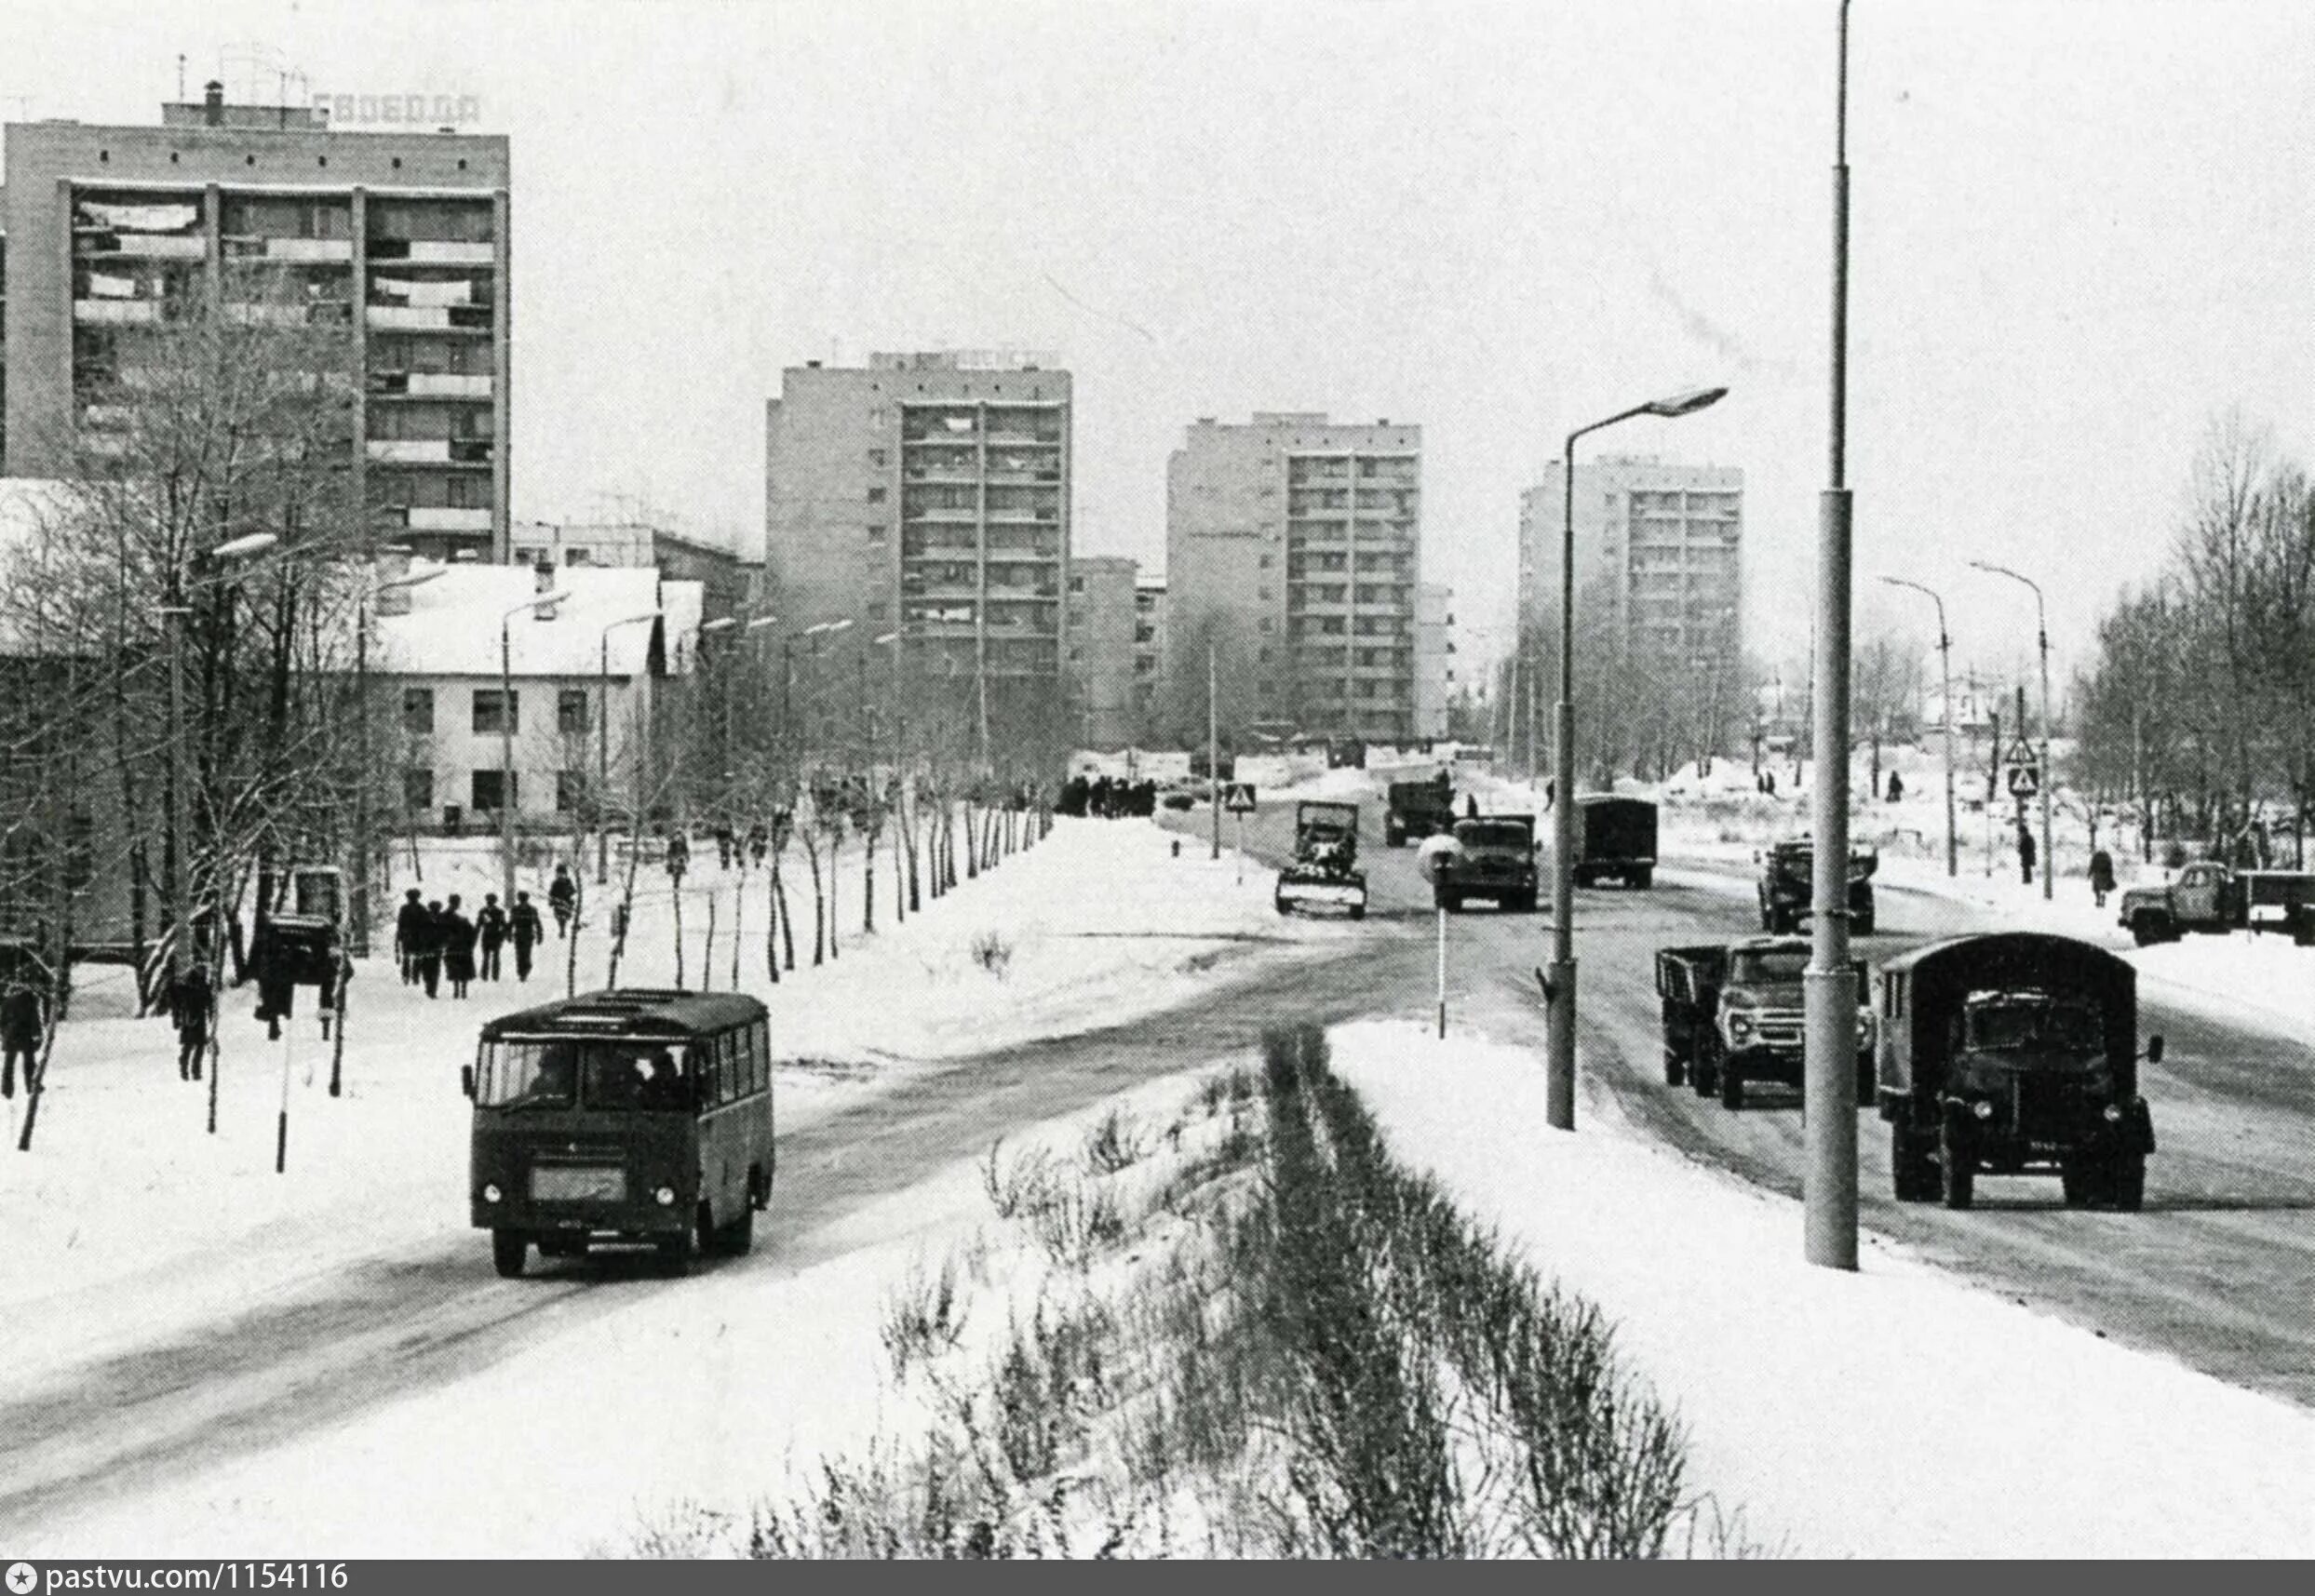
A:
430,450
429,384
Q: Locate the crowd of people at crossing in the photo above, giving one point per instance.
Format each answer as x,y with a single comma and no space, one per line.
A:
437,941
1105,797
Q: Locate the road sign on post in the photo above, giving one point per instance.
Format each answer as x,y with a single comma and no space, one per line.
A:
2024,782
1238,798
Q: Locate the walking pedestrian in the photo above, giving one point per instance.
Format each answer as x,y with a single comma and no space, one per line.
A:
458,942
193,1010
490,924
429,944
2025,849
408,932
724,841
23,1023
1896,787
2101,876
524,926
563,898
759,843
276,967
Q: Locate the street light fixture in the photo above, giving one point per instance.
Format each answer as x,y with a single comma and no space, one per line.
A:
2041,627
1559,981
603,751
506,731
357,930
1944,695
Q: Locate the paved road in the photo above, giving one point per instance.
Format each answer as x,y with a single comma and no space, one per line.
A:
2218,1272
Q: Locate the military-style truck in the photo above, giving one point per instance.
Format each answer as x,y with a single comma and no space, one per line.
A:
1615,838
1417,810
2209,898
1324,867
1787,887
1733,1015
2013,1053
1493,858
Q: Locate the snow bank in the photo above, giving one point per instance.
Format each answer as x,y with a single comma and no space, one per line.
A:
1892,1413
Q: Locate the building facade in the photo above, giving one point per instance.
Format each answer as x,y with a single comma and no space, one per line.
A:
1102,621
1434,659
731,585
928,496
1292,550
1149,659
396,242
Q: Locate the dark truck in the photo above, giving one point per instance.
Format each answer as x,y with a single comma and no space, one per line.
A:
1786,889
2209,898
2013,1053
1615,837
1733,1013
1417,810
1494,858
1324,866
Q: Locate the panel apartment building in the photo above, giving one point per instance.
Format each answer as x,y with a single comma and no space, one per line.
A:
1102,622
1293,547
1659,556
928,494
400,239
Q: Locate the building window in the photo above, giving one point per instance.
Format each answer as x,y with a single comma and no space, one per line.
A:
876,458
1077,584
876,608
876,495
1266,562
569,791
418,711
417,789
487,717
578,556
571,716
876,531
489,785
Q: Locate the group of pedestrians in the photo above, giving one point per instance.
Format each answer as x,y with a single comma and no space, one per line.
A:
437,941
1105,797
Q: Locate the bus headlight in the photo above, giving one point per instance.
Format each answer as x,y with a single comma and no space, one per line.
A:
2114,1113
491,1192
665,1196
1982,1108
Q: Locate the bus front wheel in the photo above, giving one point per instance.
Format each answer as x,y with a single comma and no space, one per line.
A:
674,1253
737,1239
508,1249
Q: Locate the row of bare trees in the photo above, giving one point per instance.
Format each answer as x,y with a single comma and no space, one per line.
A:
2198,709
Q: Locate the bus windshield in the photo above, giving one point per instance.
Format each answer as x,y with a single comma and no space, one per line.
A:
615,1076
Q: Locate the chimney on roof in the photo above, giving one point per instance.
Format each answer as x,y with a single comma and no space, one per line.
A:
214,104
543,579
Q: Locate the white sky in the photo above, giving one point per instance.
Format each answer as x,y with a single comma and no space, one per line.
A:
2080,230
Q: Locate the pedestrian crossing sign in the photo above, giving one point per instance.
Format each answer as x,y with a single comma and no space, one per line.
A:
1238,798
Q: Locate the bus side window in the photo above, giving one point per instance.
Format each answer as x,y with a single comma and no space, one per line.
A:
761,1044
727,1068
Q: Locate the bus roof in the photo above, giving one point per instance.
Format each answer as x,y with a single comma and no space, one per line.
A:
642,1011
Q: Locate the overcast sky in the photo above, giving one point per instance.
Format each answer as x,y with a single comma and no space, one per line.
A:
2080,231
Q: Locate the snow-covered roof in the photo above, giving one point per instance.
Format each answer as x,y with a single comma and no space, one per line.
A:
452,627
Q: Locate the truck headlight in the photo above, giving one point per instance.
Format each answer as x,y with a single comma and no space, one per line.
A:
1740,1026
1982,1108
2113,1113
491,1192
665,1197
1865,1032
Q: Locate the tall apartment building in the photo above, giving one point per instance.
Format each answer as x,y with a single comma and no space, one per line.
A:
1293,547
398,239
1434,658
1149,657
1100,651
1659,556
929,494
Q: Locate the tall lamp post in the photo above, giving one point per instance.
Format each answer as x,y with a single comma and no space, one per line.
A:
358,927
2041,628
1944,697
602,750
175,613
506,730
1213,753
1829,1073
1559,981
814,633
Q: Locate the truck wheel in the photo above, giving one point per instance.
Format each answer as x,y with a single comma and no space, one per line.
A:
2127,1183
1911,1167
1358,911
1766,923
1957,1166
508,1249
1866,1082
2079,1179
1675,1068
1391,838
1705,1075
1862,924
1643,879
2145,931
1732,1086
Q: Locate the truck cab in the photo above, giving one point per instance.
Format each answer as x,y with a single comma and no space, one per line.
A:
2210,898
1493,858
1734,1013
1786,888
1416,810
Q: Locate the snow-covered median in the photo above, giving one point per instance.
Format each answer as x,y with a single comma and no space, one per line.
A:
1892,1413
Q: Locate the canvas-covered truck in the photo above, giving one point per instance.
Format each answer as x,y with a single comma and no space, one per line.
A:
2209,898
1733,1015
1615,839
1416,810
1324,871
1787,887
1493,858
2013,1053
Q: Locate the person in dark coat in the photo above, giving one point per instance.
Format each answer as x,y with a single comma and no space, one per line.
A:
563,898
192,1009
458,942
408,932
275,964
524,927
22,1022
2101,876
2025,849
1896,787
759,843
429,945
724,839
491,925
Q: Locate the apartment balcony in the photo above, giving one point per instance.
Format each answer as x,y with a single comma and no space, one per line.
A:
319,313
939,515
139,246
432,385
116,313
430,318
441,519
430,450
433,251
329,251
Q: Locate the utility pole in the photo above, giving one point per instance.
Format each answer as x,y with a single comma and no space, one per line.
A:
1830,1186
1213,753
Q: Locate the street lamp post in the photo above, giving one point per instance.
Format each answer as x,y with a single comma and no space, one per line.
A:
1213,754
2041,629
507,732
1944,697
1559,980
602,750
357,928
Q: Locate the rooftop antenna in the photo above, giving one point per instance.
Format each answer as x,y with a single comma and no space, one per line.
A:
181,77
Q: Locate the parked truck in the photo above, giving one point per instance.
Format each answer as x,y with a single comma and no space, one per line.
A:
1493,858
1733,1015
1417,810
1787,884
1615,838
2210,898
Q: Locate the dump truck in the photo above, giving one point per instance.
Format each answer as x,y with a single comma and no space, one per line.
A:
1325,868
1417,810
1733,1015
1787,887
2209,898
2014,1053
1493,858
1615,838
